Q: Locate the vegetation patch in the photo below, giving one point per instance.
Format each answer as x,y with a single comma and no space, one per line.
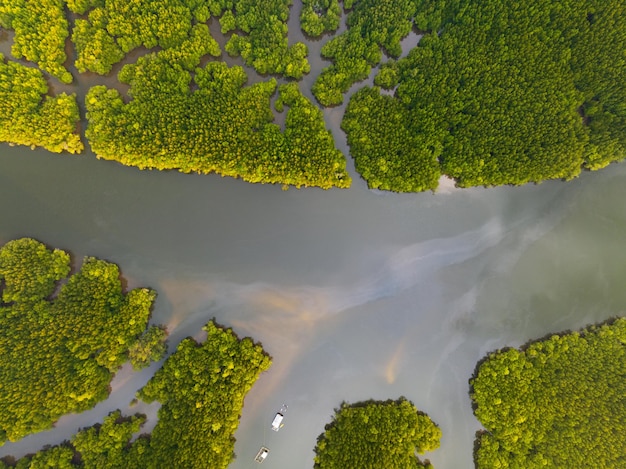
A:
41,29
60,345
376,434
500,93
116,27
222,126
201,388
320,16
557,402
372,25
265,45
29,117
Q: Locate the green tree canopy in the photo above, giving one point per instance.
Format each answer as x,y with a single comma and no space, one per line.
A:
60,344
320,16
556,402
264,46
222,126
115,27
41,29
500,93
376,434
28,116
201,388
372,25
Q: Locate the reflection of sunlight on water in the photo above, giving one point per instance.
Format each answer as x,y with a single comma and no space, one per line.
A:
391,371
285,319
267,311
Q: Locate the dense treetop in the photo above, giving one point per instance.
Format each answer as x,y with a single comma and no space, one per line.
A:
387,152
222,126
502,93
265,47
29,117
201,388
495,93
60,345
375,434
557,402
320,16
116,27
40,32
372,25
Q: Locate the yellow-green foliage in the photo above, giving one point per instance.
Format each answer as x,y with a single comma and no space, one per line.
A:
201,388
222,127
372,25
320,16
40,32
502,93
81,6
557,403
264,46
28,117
375,435
119,26
103,446
150,347
58,355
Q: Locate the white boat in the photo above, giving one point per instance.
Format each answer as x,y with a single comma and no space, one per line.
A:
262,454
277,423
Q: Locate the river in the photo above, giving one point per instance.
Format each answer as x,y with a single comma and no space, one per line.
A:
356,294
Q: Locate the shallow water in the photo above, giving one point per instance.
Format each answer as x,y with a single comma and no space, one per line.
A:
356,294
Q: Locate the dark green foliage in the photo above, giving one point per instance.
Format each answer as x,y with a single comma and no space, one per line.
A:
201,388
106,446
387,153
372,25
510,93
374,435
265,46
27,117
40,32
431,15
103,446
320,16
150,347
59,355
557,403
221,127
598,61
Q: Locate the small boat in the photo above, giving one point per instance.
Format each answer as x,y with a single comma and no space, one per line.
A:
277,423
262,454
